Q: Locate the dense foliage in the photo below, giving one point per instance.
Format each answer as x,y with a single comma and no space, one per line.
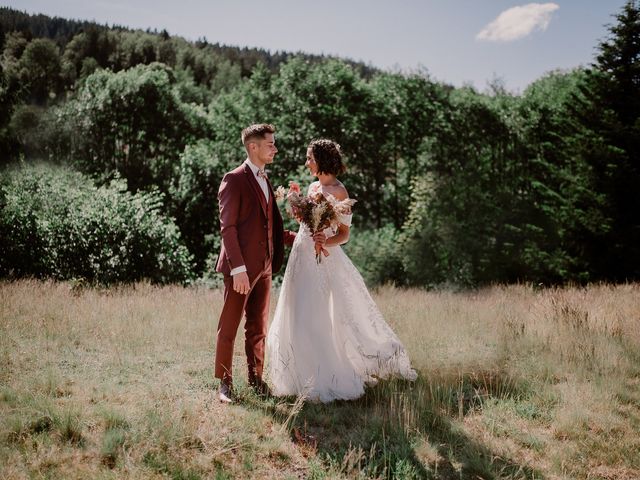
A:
454,186
55,223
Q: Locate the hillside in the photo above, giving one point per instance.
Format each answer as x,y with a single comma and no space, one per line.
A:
63,30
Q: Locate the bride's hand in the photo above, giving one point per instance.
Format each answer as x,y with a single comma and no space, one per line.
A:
320,238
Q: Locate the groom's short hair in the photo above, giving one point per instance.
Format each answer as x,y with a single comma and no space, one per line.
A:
258,130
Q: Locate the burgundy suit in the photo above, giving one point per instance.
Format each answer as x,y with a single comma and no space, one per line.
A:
253,236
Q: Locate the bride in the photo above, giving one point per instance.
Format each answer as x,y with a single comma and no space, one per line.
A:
328,339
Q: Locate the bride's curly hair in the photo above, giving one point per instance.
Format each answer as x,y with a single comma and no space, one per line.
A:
328,156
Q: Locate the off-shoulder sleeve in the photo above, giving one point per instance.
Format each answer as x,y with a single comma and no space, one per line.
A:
345,219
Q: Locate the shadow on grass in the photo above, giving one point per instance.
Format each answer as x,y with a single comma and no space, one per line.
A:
402,430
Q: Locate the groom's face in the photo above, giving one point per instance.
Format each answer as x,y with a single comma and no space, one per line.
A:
265,149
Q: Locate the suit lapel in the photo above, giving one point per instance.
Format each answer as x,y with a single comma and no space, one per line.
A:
272,200
256,188
272,195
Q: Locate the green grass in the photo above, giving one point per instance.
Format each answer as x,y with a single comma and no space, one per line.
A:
514,383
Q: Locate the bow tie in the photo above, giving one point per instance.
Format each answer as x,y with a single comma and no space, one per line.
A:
261,174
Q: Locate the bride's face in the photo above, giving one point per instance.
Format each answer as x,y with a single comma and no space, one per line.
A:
311,162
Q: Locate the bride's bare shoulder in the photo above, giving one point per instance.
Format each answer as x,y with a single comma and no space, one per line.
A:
339,191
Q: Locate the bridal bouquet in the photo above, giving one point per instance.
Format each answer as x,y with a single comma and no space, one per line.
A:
316,211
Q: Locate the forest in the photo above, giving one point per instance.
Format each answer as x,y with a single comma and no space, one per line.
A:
113,143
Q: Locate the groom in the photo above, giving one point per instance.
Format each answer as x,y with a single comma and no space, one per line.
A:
252,250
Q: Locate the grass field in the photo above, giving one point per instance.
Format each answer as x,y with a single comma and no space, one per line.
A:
513,383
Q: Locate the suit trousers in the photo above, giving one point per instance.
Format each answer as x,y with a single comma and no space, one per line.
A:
255,305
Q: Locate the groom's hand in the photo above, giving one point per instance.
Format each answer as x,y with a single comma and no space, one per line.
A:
241,283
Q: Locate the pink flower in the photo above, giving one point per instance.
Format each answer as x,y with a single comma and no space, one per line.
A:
294,187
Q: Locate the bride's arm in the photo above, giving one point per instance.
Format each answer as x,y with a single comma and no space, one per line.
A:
341,236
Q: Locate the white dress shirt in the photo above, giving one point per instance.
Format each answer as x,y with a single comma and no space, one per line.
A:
265,189
261,181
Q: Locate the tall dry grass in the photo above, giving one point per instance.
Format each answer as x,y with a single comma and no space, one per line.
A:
132,367
514,383
545,382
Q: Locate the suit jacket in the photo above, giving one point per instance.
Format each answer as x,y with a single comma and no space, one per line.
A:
245,217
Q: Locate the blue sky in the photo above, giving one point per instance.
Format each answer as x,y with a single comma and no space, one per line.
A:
516,45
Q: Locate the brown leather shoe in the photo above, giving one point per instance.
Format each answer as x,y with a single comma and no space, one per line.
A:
226,393
260,387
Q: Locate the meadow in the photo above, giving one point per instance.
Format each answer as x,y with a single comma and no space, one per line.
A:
514,382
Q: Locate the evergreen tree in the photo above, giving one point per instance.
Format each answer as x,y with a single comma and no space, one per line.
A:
611,146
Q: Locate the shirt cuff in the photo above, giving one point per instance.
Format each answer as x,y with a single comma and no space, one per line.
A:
237,270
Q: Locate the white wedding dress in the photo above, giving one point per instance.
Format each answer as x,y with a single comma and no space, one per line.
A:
328,339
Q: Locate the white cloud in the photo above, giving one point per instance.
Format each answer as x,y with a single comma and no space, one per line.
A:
518,22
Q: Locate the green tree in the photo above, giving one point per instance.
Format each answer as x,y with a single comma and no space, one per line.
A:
39,70
558,198
132,122
7,101
92,46
465,202
408,109
134,48
504,194
15,44
609,116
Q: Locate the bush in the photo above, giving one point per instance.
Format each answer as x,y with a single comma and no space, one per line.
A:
376,255
194,198
55,222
